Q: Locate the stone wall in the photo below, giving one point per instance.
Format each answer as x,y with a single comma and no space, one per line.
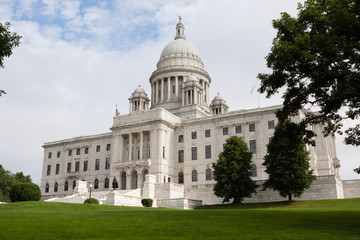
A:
351,188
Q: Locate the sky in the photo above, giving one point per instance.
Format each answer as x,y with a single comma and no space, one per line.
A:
78,59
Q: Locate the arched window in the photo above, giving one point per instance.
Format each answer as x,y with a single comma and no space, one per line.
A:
74,184
181,178
106,184
134,178
208,174
66,186
47,187
96,184
56,187
123,181
145,172
194,176
253,170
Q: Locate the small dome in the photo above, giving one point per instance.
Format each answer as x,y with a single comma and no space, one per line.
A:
139,92
139,89
218,100
218,97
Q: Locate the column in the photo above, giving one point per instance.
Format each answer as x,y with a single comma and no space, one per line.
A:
120,148
152,93
128,180
183,97
176,87
130,146
190,98
169,83
141,144
195,96
129,106
156,91
162,90
207,92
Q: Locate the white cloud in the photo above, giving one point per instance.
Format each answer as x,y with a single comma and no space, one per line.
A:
69,9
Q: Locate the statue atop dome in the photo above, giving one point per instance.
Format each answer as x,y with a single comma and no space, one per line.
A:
179,18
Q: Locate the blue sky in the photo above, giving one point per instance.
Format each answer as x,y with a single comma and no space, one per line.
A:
77,59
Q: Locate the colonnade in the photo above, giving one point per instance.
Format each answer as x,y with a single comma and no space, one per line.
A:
140,104
132,146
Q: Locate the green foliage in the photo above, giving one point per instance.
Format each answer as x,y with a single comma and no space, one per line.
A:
316,57
7,180
232,171
25,192
147,202
91,201
287,161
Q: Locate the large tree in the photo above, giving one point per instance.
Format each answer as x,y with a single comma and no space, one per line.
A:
8,41
232,171
8,180
316,58
287,161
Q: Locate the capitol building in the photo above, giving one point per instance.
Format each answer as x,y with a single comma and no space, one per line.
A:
165,146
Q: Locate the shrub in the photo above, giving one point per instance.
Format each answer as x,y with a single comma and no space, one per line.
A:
91,201
25,192
147,202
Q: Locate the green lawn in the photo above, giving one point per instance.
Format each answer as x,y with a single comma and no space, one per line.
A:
325,219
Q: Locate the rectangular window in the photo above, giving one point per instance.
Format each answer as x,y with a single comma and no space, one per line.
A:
108,147
252,144
193,135
69,167
58,154
224,145
50,155
208,151
98,148
70,153
252,127
181,156
271,124
207,133
238,129
225,131
194,153
78,151
86,150
97,164
85,165
173,88
181,138
48,170
163,152
107,163
57,170
77,166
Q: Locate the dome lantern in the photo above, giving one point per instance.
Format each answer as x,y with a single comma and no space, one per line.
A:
180,30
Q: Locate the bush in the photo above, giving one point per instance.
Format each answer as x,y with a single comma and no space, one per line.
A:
25,192
91,201
147,202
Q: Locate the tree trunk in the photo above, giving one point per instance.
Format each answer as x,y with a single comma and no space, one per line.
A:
236,201
290,198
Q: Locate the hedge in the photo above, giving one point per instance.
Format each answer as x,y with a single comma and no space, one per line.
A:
25,192
147,202
91,201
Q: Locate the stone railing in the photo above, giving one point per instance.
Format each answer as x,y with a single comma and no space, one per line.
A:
140,162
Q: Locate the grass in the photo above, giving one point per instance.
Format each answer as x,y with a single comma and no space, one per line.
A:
323,219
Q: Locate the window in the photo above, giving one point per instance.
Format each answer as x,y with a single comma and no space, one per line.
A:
66,186
207,133
252,127
180,89
194,176
208,151
134,179
181,156
70,153
123,180
108,147
225,131
69,167
107,163
57,170
47,188
98,148
271,124
173,88
252,144
77,166
74,184
48,170
97,164
224,145
238,129
181,178
208,174
86,150
50,155
181,138
193,135
85,165
253,170
194,153
163,152
78,151
58,154
96,184
56,187
106,184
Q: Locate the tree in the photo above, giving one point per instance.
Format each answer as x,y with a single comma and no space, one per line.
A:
25,192
287,161
8,180
316,57
8,41
232,171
